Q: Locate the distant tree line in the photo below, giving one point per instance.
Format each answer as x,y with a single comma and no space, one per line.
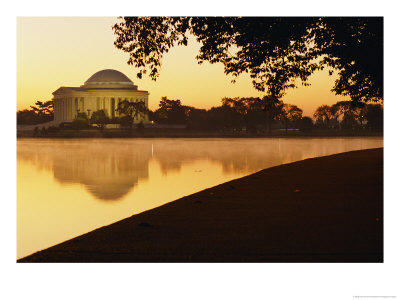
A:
263,115
349,115
42,112
251,114
248,114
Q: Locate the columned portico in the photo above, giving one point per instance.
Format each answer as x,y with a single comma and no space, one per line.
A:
102,91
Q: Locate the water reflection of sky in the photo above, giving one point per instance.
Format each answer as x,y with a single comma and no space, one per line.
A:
68,187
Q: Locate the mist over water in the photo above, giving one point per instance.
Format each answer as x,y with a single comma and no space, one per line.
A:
67,187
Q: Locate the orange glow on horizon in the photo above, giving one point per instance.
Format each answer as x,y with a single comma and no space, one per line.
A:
66,51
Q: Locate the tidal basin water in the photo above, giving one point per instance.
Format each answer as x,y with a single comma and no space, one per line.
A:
67,187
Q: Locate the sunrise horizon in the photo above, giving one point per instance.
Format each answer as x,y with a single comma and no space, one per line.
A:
45,64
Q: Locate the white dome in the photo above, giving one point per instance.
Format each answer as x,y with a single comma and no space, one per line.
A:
110,79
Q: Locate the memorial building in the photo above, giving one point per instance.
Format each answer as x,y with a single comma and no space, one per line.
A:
102,91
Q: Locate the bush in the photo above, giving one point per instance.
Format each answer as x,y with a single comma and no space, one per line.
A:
99,117
114,120
80,123
82,116
126,121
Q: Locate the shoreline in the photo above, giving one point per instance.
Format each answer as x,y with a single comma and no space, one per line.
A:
185,133
325,209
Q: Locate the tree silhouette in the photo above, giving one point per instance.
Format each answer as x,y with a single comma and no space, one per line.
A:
100,118
243,105
374,116
44,108
326,115
305,124
275,51
223,118
80,122
40,113
291,113
197,119
253,111
351,112
273,108
132,110
171,112
248,110
354,47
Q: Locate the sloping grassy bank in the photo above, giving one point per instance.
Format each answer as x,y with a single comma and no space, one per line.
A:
327,209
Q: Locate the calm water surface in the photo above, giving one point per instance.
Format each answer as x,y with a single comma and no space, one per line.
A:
68,187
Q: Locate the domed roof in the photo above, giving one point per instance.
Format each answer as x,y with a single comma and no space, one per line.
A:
109,78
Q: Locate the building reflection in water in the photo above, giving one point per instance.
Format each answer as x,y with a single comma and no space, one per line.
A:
110,168
67,187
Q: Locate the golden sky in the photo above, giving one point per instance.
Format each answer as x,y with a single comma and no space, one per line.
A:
66,51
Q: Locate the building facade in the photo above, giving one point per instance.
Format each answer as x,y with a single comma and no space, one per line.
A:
102,91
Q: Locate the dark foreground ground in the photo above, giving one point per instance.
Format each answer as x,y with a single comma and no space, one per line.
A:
327,209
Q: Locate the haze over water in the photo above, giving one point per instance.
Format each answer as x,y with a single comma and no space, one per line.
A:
67,187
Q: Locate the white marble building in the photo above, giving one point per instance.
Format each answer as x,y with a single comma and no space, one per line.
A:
102,91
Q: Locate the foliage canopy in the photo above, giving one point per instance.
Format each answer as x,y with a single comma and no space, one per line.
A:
275,51
131,110
42,112
100,118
